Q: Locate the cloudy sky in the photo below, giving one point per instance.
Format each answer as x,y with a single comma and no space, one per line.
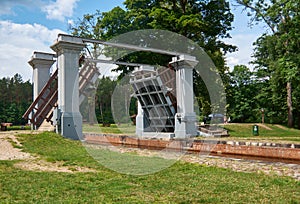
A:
33,25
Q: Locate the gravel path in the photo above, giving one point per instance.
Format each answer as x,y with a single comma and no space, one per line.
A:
238,165
241,165
7,151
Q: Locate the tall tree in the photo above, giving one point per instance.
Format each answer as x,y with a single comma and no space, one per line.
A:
205,22
243,106
15,98
277,51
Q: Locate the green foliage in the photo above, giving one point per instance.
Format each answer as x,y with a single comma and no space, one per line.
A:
104,94
204,22
15,98
242,93
277,52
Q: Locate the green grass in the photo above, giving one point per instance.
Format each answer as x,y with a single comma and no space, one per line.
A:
128,129
273,132
180,183
19,127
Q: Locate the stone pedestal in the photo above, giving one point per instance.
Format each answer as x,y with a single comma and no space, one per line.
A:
185,118
68,50
41,64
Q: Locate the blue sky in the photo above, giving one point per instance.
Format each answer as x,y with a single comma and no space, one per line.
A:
32,25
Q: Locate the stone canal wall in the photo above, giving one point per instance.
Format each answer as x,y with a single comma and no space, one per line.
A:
257,149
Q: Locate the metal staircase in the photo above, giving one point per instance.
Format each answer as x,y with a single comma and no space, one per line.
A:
88,76
41,110
42,107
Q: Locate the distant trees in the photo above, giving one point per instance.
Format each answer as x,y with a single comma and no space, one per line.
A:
103,102
277,54
15,98
104,93
241,95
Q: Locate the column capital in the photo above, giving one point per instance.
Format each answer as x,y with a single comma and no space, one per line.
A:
41,60
184,61
67,42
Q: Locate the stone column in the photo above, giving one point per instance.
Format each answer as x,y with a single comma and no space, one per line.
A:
68,50
185,118
41,64
139,121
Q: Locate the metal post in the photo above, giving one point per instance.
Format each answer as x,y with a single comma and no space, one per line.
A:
68,50
185,118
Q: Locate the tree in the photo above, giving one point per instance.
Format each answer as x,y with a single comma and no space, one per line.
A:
15,98
103,100
243,106
277,53
205,22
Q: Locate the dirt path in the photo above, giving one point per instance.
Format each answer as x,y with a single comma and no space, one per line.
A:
28,161
264,126
281,127
7,151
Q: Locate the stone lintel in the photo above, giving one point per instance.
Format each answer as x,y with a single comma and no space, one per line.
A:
67,42
184,61
41,58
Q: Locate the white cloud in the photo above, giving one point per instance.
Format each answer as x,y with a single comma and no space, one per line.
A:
60,9
17,44
244,42
71,22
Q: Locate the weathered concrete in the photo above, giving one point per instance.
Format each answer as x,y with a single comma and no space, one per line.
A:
185,118
68,50
41,63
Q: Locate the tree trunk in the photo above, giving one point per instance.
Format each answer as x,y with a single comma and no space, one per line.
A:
289,104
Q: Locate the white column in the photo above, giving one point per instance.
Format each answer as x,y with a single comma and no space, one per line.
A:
41,64
139,121
185,118
68,50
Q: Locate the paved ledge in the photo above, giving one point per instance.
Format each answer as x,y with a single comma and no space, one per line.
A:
257,149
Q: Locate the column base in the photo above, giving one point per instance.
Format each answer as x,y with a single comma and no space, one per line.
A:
71,125
185,125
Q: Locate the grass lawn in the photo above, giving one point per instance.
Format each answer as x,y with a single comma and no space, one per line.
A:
127,129
275,133
268,132
180,183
